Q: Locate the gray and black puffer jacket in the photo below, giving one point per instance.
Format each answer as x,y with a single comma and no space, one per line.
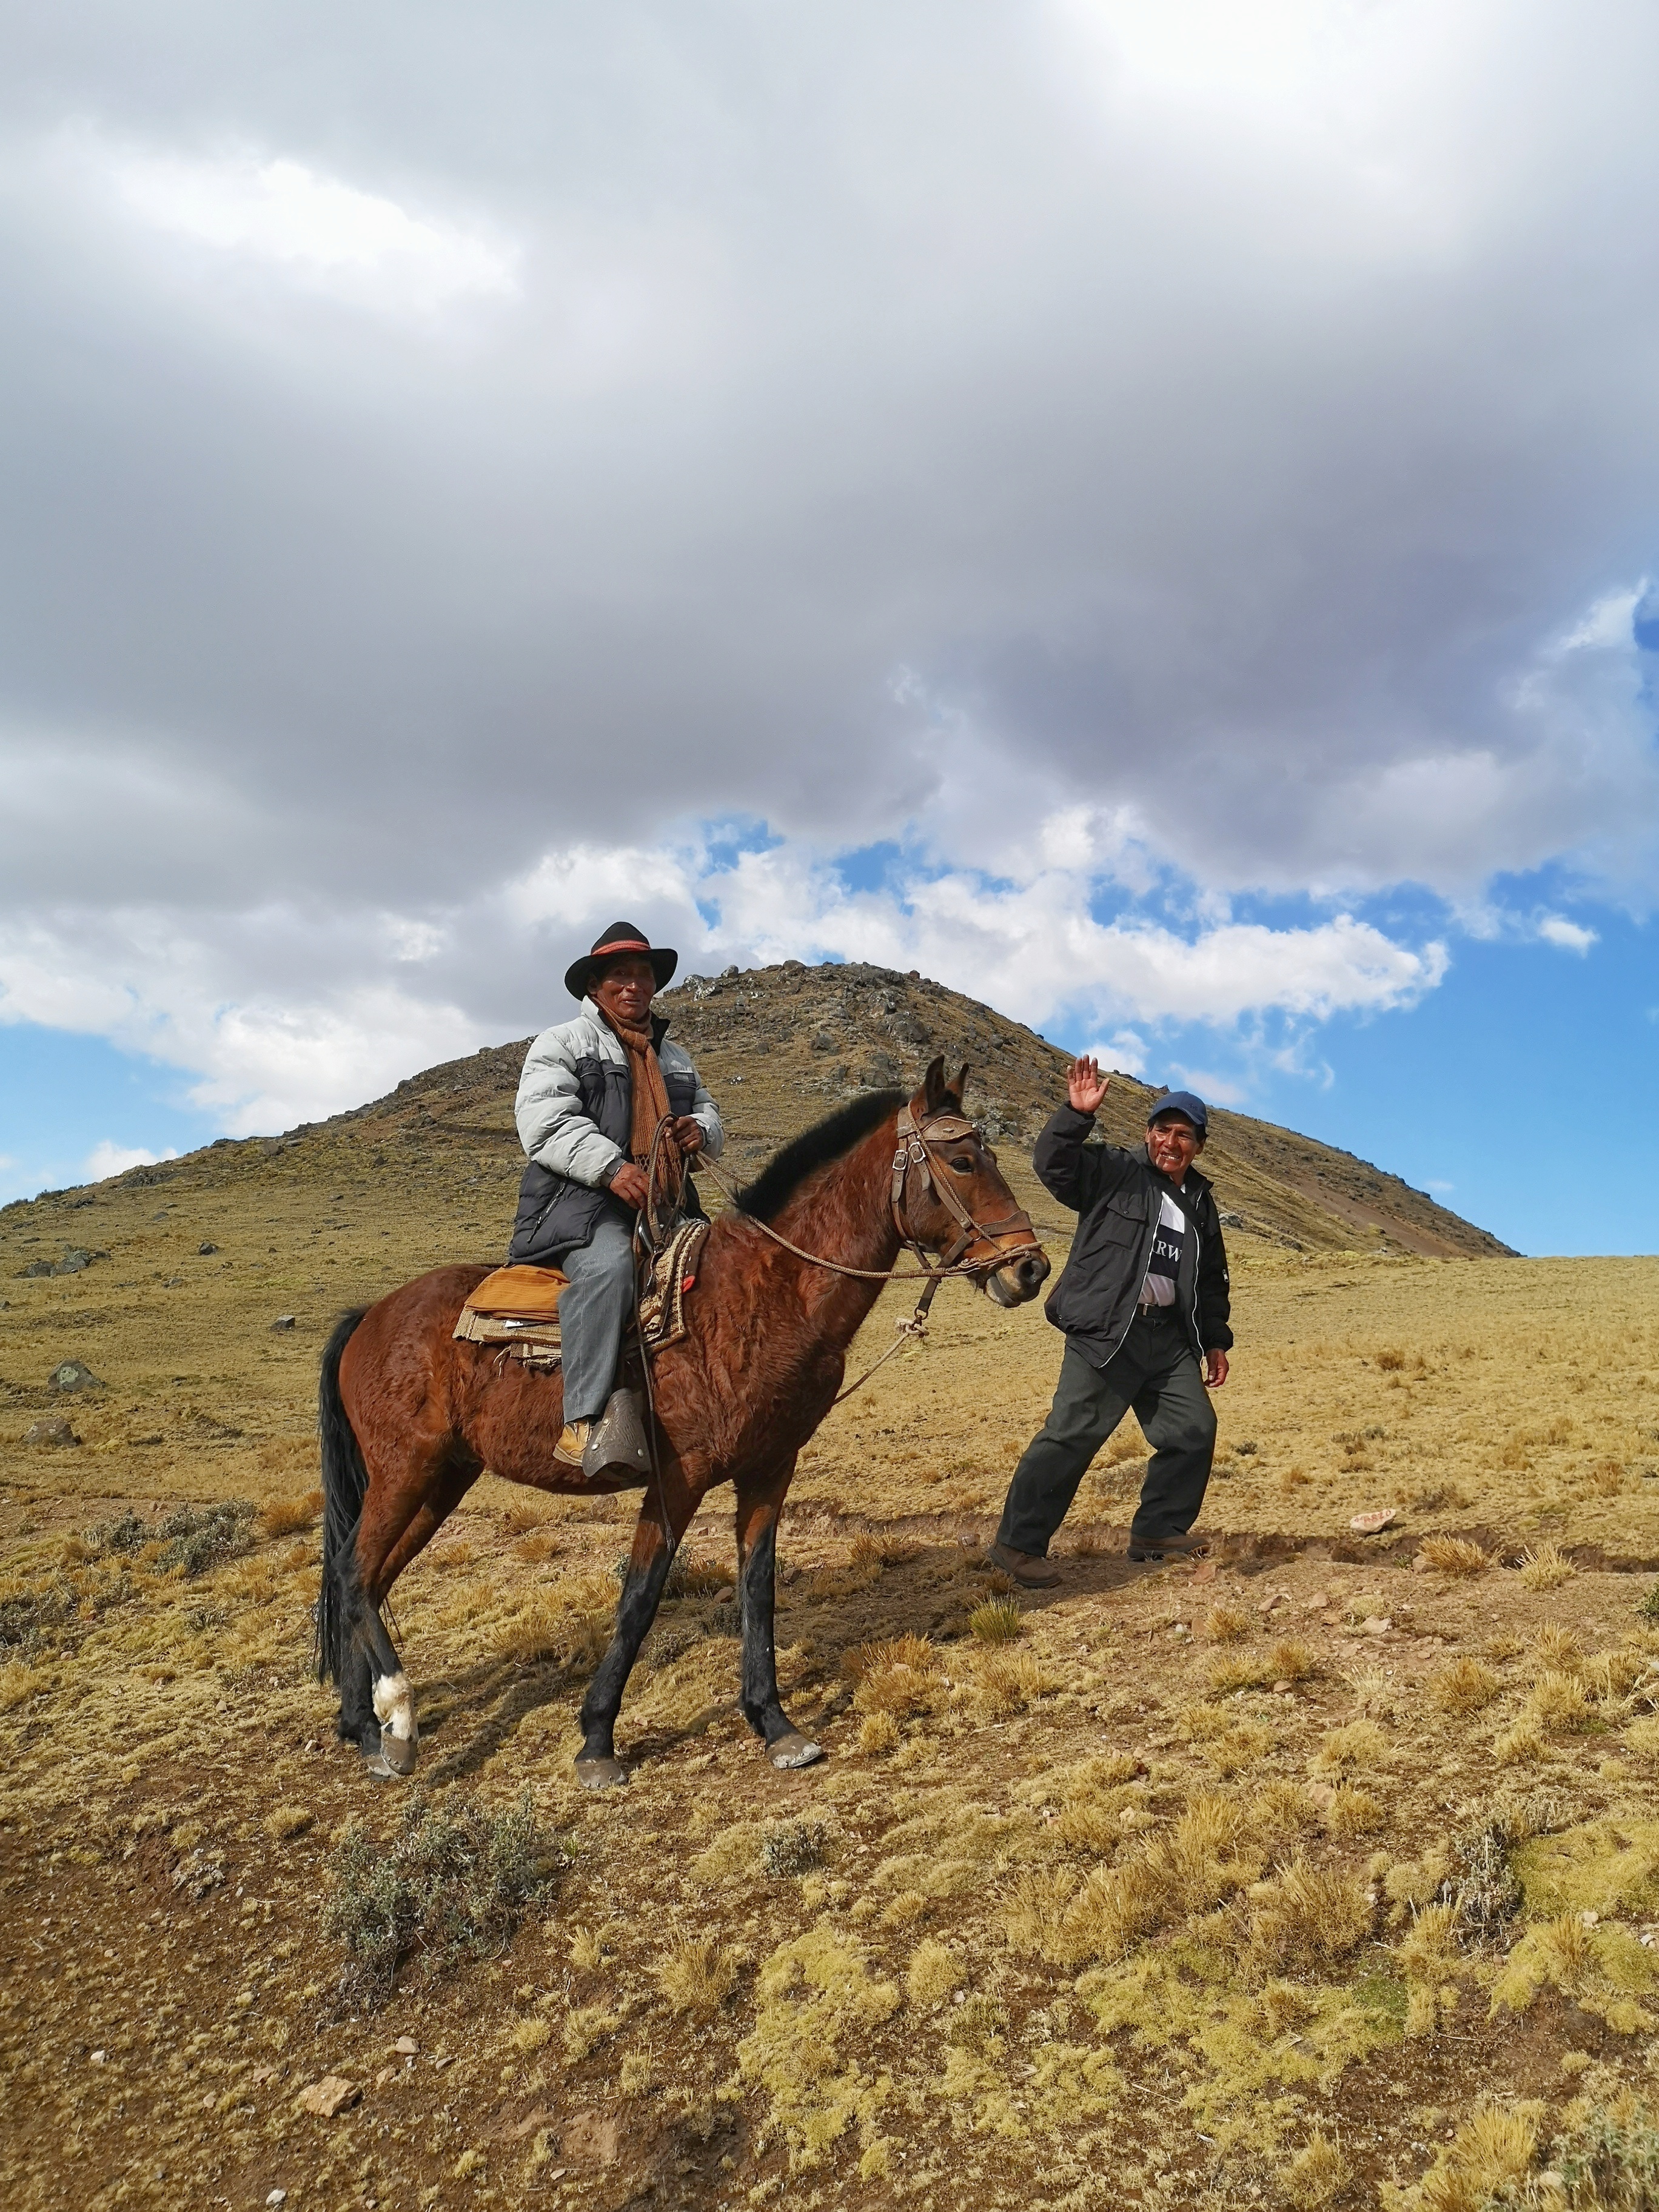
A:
1119,1194
574,1108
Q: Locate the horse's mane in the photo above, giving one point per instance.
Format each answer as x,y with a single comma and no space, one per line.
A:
784,1174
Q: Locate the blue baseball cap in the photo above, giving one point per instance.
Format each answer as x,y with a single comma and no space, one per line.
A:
1184,1103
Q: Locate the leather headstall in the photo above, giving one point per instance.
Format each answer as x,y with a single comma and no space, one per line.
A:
915,1147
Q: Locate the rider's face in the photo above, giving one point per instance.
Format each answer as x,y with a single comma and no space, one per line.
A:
626,988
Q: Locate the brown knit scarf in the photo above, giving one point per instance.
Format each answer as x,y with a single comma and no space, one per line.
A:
650,1102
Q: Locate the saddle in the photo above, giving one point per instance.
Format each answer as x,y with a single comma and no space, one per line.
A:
517,1309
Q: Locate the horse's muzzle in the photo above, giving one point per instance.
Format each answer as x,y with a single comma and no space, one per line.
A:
1019,1280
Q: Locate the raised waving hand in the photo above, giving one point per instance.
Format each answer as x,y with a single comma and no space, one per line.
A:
1085,1087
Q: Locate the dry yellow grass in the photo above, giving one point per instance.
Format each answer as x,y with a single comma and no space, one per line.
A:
1462,1686
999,1620
1546,1568
1454,1556
1155,1894
697,1975
283,1516
1317,2171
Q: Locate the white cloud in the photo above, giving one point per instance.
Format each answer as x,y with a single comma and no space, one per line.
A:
316,228
106,1158
1131,460
1570,936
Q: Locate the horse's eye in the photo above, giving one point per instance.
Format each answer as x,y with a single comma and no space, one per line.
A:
963,1167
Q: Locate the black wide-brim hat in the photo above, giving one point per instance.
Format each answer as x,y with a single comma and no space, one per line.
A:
622,936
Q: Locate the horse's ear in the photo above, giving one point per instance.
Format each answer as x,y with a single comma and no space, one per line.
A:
960,1086
932,1085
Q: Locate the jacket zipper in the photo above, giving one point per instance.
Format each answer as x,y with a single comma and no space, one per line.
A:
1197,1242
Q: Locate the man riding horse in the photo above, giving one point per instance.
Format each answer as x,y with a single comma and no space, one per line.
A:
592,1098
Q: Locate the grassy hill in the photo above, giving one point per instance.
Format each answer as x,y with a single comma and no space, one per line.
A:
1263,1884
779,1046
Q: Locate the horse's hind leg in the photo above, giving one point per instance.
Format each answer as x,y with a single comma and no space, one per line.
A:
758,1559
597,1766
382,1716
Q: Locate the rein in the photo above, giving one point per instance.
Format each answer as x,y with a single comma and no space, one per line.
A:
915,1150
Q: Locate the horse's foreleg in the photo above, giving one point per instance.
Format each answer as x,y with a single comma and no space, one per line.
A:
757,1561
657,1533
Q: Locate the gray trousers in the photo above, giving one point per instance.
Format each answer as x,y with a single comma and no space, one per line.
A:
592,1315
1154,1372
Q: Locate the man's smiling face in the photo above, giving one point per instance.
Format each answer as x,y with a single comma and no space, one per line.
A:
1172,1145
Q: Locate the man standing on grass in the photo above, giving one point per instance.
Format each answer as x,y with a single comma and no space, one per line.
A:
1144,1299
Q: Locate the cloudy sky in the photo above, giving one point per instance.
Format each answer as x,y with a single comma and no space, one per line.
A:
1144,513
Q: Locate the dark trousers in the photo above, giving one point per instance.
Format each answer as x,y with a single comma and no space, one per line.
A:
1154,1372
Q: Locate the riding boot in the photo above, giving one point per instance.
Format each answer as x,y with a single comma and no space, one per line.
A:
617,1445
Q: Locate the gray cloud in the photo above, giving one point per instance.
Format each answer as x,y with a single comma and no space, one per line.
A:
883,425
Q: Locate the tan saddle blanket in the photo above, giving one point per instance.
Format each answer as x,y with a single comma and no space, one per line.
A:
517,1308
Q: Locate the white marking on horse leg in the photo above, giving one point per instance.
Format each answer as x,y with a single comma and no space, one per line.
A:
394,1708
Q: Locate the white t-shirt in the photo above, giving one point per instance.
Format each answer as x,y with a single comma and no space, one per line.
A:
1160,1287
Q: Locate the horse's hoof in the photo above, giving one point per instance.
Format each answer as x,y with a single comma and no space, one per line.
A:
397,1754
375,1767
795,1750
601,1773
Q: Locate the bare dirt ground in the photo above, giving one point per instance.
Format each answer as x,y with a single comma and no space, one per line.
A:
1324,1873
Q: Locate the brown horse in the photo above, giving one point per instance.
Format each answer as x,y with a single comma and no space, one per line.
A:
409,1419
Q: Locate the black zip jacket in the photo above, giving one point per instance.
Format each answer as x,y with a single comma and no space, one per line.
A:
1119,1195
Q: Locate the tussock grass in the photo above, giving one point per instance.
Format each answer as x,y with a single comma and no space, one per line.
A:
933,1972
1429,1952
1454,1557
586,2027
1462,1686
882,1551
1280,1812
1319,2169
1487,2159
1226,1624
879,1733
697,1975
1036,1905
1281,2008
288,1516
1360,1744
1390,1360
1189,1869
1289,1661
20,1682
1353,1813
999,1620
1307,1918
451,1885
568,1626
284,1823
1005,1683
1558,1704
1544,1568
899,1676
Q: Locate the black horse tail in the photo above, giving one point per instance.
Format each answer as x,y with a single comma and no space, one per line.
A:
345,1485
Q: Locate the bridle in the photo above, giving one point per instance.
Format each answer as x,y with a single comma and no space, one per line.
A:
918,1144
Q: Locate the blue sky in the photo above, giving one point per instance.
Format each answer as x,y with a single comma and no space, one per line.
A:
1148,514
